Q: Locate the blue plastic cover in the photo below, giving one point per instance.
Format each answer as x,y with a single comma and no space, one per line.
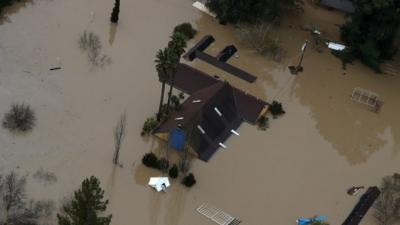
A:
303,221
177,139
320,218
306,221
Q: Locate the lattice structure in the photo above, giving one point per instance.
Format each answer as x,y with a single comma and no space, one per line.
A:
217,215
365,97
390,69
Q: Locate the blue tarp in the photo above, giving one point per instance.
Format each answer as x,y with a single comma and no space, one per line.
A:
306,221
177,139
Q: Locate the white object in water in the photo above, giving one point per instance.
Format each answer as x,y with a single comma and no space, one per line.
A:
234,132
317,32
222,145
335,46
196,101
200,6
179,118
201,129
217,215
217,111
159,183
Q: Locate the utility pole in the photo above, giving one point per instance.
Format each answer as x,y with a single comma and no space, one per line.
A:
296,69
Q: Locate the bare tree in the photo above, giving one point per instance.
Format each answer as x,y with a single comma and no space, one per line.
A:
387,206
14,191
14,207
119,134
90,43
259,37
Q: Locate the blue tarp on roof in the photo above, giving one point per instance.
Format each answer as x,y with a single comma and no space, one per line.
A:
177,139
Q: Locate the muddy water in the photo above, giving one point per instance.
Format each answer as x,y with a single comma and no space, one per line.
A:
302,166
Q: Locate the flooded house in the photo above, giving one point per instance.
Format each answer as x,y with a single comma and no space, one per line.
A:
211,114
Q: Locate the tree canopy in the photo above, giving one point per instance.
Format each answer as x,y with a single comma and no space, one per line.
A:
371,31
86,206
234,11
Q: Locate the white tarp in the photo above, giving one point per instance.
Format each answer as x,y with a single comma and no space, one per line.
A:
159,183
335,46
200,6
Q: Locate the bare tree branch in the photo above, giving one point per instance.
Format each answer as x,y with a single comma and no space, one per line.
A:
119,134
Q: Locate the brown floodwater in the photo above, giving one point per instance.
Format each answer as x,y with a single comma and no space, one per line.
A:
301,166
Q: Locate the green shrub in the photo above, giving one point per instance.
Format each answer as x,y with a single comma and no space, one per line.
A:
176,103
186,29
346,56
189,180
173,172
150,160
20,118
262,122
276,109
370,31
149,125
4,3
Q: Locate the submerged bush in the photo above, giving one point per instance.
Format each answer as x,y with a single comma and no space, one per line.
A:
4,3
150,160
176,103
387,206
276,109
173,172
90,43
259,37
189,180
186,29
262,122
149,125
20,118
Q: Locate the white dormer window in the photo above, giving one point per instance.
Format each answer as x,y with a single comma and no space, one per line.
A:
217,111
201,129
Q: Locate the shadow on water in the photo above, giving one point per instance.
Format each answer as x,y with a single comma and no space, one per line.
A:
110,182
112,33
353,129
176,202
154,207
13,9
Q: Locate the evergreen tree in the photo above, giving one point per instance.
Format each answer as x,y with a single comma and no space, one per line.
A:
370,33
177,45
166,65
86,207
115,12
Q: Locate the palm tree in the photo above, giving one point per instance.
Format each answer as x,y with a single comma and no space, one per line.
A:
165,65
177,46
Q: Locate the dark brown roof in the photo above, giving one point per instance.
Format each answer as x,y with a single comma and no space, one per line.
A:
191,80
214,105
216,115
